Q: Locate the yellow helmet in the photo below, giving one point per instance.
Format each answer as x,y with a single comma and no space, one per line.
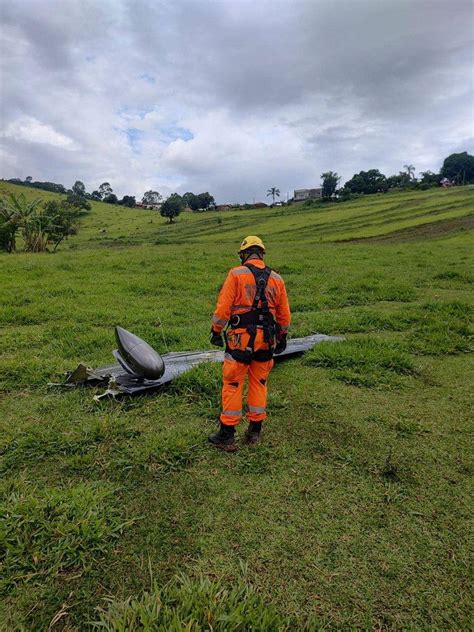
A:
251,240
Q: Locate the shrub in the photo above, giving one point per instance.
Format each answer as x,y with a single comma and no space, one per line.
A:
40,226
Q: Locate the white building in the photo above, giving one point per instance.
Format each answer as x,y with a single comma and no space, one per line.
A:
300,195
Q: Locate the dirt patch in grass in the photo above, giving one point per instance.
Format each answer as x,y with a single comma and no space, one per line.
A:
415,233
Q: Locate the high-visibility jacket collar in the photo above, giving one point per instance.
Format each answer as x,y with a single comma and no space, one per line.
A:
258,263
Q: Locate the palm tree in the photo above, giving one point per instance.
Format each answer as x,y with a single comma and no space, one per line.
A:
273,192
410,170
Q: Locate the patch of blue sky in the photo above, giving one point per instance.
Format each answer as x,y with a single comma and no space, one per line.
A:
130,113
173,132
133,136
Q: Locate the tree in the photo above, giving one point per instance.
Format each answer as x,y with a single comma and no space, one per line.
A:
345,194
459,168
371,181
188,199
79,189
172,207
59,221
206,200
428,177
330,182
78,201
28,179
96,195
111,198
151,197
104,190
410,171
399,181
128,200
273,192
200,202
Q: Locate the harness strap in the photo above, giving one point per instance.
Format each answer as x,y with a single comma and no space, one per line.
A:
266,317
258,316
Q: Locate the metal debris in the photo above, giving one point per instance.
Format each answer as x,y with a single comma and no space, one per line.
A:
117,381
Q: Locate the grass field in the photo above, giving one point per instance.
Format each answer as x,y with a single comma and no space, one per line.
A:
353,513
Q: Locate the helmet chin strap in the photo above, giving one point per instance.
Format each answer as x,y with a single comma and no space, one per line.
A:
249,255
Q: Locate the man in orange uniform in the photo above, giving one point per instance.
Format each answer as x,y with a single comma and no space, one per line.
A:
254,305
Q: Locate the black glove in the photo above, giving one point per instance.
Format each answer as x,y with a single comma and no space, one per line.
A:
216,338
280,345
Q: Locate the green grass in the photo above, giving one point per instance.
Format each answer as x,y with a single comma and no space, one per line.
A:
353,513
363,361
193,605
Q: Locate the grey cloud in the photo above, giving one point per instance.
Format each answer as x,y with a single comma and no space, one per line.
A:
277,92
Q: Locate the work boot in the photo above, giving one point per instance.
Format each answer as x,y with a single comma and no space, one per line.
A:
252,434
224,438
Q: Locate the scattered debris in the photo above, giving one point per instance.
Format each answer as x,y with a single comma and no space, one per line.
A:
141,369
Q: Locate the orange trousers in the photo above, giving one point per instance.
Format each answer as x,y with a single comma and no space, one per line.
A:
234,374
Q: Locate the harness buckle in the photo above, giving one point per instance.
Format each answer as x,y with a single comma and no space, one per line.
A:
234,320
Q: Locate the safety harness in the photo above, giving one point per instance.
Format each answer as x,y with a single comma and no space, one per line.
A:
257,316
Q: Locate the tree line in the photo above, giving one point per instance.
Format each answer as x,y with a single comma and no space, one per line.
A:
457,169
104,193
169,208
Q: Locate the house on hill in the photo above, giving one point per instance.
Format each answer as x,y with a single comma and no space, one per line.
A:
150,207
301,195
446,182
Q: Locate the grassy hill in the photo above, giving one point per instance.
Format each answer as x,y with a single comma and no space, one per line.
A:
354,510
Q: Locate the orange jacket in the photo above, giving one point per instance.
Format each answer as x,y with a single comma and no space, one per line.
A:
238,292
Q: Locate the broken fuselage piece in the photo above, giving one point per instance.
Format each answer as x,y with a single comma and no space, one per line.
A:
141,369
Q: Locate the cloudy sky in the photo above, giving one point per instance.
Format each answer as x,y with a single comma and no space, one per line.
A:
231,96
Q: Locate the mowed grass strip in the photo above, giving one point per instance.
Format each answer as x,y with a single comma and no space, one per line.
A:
353,512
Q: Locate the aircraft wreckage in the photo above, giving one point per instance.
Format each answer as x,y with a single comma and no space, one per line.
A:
141,369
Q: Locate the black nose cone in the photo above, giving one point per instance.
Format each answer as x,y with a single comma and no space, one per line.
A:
138,355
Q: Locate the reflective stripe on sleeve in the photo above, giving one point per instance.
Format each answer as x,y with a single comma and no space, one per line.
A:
276,276
218,321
